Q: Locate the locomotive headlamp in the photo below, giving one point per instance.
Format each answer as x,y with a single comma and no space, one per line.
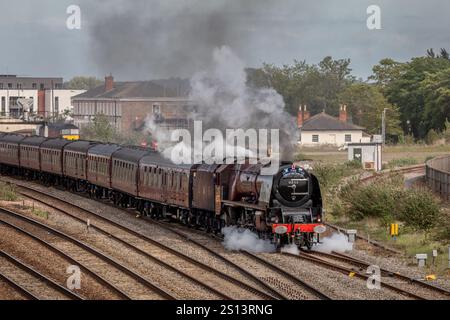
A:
320,229
281,230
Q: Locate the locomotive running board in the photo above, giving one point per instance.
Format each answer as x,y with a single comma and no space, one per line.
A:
243,204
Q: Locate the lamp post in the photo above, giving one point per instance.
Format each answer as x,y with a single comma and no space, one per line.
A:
383,125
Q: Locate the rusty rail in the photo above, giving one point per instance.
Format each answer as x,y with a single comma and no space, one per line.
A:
437,172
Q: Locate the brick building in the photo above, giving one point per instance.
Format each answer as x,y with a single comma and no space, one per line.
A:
128,104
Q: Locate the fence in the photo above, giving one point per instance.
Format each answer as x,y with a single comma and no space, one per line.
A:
438,176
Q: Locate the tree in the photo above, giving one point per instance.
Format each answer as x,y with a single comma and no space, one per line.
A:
83,83
366,104
436,91
100,129
407,93
316,86
385,72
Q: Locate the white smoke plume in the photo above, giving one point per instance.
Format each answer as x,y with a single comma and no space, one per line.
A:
222,99
243,239
292,249
338,242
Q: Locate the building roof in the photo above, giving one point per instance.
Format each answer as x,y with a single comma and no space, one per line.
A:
325,122
170,88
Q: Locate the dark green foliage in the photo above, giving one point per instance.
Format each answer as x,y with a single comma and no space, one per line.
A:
388,200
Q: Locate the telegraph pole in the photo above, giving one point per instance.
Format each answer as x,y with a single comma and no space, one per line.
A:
383,125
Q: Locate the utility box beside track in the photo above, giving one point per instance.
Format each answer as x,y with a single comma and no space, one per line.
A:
368,153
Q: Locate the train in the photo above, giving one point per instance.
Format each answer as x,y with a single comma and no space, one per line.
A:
285,208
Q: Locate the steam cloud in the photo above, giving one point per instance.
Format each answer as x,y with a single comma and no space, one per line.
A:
223,100
148,39
238,239
338,242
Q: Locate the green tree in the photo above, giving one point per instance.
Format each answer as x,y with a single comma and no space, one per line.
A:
386,71
407,93
366,103
317,86
83,83
100,129
436,90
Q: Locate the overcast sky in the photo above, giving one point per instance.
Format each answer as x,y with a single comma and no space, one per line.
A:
145,39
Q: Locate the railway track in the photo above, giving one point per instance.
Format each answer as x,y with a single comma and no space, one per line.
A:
352,272
18,287
365,180
111,234
108,284
39,276
317,293
110,261
290,289
362,265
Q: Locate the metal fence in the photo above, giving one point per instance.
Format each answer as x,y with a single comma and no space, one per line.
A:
438,176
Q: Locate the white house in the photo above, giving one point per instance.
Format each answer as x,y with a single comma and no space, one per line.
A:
323,129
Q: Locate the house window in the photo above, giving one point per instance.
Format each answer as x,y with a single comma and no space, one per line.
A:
315,138
3,106
1,86
156,109
42,86
34,85
348,138
9,85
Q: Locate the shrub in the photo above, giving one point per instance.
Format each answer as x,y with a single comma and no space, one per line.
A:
379,199
402,162
432,137
8,192
419,209
387,200
328,175
354,164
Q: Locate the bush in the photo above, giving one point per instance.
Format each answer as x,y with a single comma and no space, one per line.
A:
379,199
402,162
420,209
8,192
432,137
354,164
406,139
387,200
328,175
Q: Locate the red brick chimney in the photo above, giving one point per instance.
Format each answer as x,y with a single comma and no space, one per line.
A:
300,117
109,83
306,114
343,113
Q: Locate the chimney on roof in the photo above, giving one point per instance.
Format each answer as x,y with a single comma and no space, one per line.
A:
109,83
306,113
300,117
343,113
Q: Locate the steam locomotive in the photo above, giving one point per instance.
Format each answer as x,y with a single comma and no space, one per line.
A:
286,207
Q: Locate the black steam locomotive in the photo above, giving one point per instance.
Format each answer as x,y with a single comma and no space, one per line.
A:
286,208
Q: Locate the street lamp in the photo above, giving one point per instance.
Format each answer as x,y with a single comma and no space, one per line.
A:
383,125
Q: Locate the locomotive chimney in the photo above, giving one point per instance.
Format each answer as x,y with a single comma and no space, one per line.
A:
109,83
300,117
306,114
343,113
